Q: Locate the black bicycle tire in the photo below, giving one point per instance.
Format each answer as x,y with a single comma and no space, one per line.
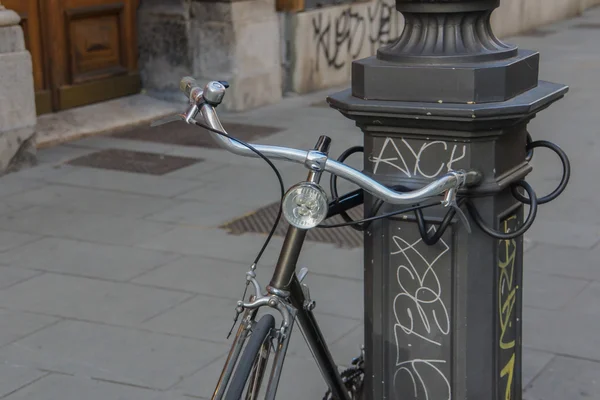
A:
242,372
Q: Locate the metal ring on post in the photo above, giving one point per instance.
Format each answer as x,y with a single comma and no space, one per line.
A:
529,155
565,177
507,236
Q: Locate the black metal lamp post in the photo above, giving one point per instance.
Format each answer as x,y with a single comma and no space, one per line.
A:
443,314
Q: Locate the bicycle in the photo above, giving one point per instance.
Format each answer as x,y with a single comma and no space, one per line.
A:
305,206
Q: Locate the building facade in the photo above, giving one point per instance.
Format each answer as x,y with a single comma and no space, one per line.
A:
88,51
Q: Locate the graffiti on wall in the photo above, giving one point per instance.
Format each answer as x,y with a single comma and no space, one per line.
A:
342,36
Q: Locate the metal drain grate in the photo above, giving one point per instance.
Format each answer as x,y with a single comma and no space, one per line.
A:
133,161
183,134
262,220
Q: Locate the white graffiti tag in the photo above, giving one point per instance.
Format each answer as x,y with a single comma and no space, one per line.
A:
409,161
420,313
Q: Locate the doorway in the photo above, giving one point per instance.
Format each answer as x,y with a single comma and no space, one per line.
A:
83,51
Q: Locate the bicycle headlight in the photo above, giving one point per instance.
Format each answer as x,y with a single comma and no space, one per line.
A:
305,205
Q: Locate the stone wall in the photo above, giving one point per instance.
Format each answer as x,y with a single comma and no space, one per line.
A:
323,42
17,98
238,41
165,46
518,16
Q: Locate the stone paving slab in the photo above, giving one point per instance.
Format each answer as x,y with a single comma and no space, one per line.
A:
77,225
112,353
11,275
93,260
256,186
89,299
203,172
563,233
6,208
158,186
300,379
109,142
202,317
66,387
203,275
580,210
201,214
210,318
15,377
326,259
91,200
46,171
13,184
566,378
10,240
533,363
216,243
564,261
60,154
587,301
562,332
550,292
16,324
336,296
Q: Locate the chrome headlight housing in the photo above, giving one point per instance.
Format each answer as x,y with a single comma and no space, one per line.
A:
305,205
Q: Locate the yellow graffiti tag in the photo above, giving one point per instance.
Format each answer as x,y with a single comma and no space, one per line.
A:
509,369
507,294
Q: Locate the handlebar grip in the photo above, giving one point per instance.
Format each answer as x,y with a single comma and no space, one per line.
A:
187,84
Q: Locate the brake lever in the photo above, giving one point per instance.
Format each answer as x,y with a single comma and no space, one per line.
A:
167,120
450,201
188,116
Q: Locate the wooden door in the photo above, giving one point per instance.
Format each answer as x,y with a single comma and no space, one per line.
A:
30,13
93,50
83,51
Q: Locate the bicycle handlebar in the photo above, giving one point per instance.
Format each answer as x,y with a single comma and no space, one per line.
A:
205,100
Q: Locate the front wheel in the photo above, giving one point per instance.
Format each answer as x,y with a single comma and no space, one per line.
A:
253,359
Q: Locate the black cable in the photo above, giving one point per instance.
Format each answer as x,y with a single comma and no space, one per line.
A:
565,177
357,225
424,231
529,155
526,225
366,222
281,185
374,218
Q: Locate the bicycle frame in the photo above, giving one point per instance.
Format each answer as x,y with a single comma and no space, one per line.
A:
285,291
286,285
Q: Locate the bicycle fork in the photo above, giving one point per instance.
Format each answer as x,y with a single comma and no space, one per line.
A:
282,335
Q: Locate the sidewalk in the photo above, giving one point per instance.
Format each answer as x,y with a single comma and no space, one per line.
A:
121,285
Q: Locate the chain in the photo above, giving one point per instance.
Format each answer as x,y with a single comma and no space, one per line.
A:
353,378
